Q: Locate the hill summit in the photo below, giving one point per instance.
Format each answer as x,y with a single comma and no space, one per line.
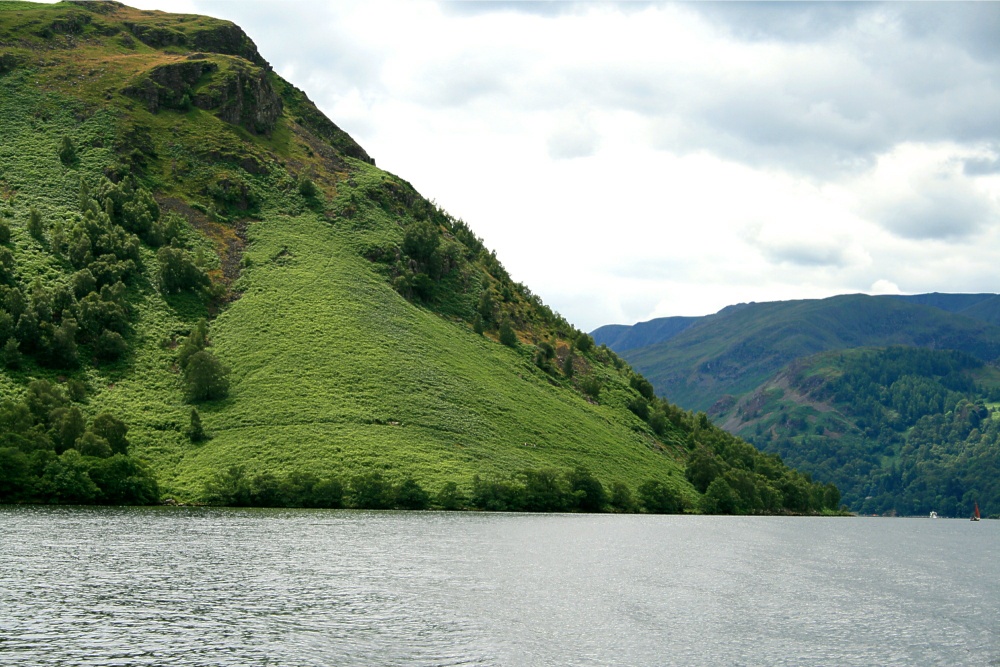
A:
211,293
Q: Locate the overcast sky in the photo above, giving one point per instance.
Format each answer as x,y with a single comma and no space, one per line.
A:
637,160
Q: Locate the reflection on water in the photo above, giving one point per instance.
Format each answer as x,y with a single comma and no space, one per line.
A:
190,586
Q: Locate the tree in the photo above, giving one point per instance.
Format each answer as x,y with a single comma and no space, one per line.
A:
621,498
450,497
206,377
567,366
587,491
719,498
195,431
90,444
658,498
179,272
591,386
35,226
122,479
229,487
411,496
11,355
371,491
113,430
307,188
68,425
67,151
66,479
507,335
544,491
110,346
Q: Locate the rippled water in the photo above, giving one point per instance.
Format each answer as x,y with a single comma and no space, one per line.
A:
175,586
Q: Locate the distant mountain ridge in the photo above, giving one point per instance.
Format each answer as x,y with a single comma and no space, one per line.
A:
736,349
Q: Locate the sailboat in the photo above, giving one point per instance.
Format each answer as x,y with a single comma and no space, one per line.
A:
975,512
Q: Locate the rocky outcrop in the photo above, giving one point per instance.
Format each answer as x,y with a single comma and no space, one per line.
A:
222,37
242,95
167,86
237,92
227,39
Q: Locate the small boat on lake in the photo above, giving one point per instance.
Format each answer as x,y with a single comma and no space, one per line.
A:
975,512
933,515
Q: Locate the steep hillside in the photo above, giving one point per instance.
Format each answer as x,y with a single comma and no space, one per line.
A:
738,348
209,283
899,430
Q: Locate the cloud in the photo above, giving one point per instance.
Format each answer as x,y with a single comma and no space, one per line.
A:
884,287
572,137
920,192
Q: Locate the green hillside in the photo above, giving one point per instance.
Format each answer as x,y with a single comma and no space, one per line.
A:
740,347
210,293
898,430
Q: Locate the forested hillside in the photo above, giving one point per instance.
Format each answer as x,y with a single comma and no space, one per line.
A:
210,293
898,430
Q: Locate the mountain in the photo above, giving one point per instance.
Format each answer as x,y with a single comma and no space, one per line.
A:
621,337
211,293
851,389
738,348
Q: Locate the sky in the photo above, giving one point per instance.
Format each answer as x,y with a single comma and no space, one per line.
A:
632,160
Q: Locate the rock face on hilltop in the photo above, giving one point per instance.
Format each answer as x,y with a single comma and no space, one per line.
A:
242,95
234,90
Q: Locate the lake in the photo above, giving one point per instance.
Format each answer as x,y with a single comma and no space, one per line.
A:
200,586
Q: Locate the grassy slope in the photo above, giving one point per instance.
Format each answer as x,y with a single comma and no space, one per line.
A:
332,369
335,371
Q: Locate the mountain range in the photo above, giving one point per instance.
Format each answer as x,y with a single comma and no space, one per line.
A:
785,375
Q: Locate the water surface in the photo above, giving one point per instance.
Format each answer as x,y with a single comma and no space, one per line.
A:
196,586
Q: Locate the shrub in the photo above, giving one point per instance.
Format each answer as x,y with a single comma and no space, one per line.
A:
507,335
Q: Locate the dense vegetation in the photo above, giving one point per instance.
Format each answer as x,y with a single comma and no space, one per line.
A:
899,430
193,253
